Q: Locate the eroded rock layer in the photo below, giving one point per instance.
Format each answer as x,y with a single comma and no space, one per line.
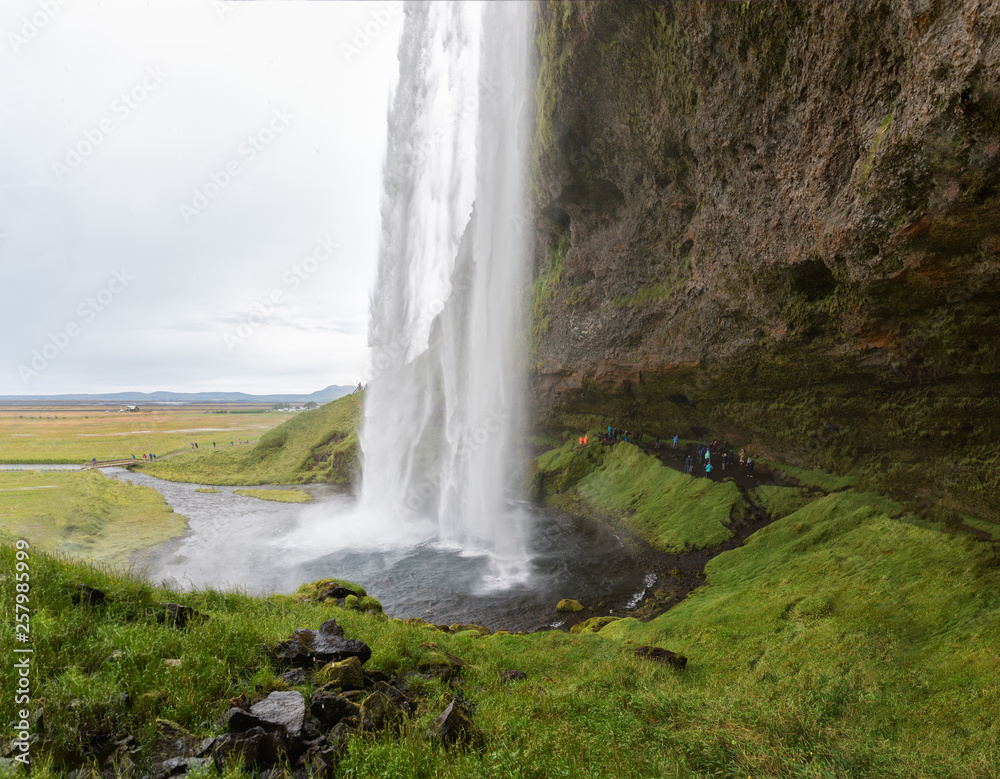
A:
776,223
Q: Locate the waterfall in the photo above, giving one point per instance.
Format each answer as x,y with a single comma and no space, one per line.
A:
444,400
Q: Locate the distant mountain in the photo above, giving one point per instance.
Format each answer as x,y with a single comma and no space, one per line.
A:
332,392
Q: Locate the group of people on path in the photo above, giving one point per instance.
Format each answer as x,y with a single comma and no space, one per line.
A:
701,460
703,456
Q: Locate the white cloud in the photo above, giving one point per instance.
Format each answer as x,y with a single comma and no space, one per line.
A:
143,103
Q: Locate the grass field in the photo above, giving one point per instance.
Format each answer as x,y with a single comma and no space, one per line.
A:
75,434
84,514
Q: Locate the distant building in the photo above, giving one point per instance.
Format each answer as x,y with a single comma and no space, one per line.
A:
131,408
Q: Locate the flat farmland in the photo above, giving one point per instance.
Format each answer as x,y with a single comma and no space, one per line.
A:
75,434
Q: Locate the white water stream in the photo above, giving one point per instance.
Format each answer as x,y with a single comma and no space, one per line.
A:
443,406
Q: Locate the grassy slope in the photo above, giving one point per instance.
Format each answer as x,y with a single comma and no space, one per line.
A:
84,513
670,510
851,642
838,642
291,453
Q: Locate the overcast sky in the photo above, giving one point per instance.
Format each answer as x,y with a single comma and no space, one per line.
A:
189,192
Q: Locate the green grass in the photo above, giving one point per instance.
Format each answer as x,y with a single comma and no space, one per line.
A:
838,642
85,514
853,643
827,482
781,501
281,496
670,510
312,446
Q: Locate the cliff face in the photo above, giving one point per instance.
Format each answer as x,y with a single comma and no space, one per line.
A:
776,223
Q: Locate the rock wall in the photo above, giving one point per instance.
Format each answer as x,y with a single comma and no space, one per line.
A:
776,223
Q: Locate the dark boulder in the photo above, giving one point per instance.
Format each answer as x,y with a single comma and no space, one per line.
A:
663,656
284,711
84,595
378,713
330,708
318,647
337,592
294,676
176,615
455,726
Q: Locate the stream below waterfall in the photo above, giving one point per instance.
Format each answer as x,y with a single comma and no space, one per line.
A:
264,547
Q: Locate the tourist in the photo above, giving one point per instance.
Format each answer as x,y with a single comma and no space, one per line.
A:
742,455
688,464
586,440
708,469
676,441
749,470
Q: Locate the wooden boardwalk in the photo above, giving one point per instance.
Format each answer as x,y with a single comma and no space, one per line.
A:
109,463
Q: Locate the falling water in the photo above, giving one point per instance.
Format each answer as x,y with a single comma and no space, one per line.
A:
443,404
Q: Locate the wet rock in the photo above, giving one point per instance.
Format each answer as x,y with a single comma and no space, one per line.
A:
177,615
84,595
294,676
378,713
232,747
455,726
569,605
309,648
330,708
280,711
663,656
320,760
512,676
178,766
372,676
344,675
336,591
